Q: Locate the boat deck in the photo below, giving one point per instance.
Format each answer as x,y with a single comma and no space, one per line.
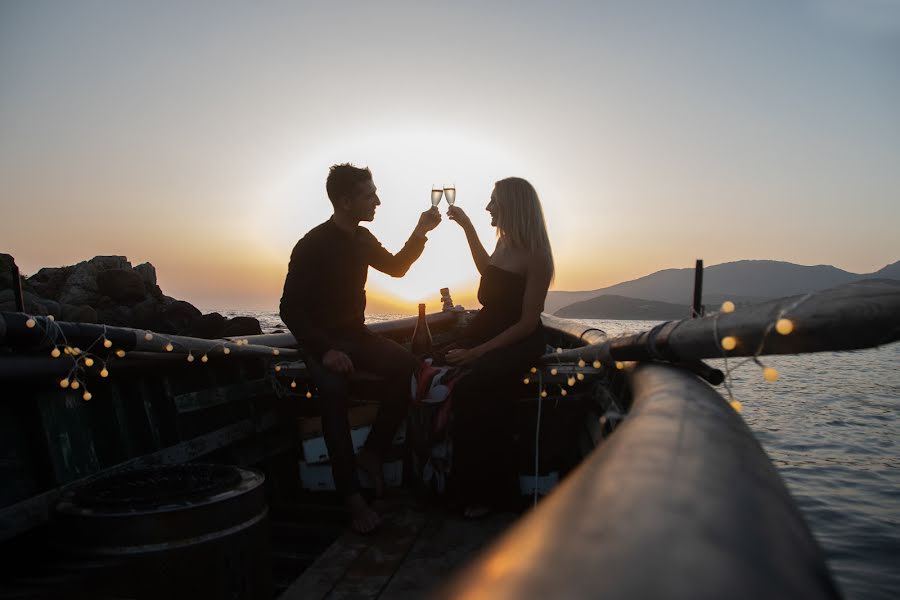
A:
406,557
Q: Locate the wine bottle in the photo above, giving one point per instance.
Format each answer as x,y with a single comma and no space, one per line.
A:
421,339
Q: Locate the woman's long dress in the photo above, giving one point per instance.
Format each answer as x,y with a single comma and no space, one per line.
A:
484,467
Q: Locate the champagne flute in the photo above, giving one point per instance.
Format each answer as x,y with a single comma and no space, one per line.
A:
436,193
450,193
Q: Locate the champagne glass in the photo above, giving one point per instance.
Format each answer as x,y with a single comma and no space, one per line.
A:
436,193
450,193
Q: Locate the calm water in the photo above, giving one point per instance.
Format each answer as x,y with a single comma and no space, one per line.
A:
831,425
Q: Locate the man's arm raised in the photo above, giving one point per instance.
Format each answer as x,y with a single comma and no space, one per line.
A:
396,265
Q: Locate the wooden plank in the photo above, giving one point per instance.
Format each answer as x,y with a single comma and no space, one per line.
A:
445,544
356,566
373,568
208,398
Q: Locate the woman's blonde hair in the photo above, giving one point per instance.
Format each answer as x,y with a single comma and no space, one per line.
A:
520,219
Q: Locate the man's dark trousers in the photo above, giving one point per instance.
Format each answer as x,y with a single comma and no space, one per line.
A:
371,354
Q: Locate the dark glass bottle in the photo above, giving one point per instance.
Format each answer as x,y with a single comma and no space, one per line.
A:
421,339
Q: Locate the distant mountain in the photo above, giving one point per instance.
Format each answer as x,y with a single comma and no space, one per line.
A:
744,282
620,307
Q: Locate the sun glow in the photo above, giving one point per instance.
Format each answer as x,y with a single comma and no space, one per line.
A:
405,165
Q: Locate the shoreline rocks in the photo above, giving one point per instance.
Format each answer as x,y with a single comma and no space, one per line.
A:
108,290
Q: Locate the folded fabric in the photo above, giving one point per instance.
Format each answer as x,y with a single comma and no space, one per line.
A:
433,384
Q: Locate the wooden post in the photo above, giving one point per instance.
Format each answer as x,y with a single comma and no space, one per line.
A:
697,310
17,289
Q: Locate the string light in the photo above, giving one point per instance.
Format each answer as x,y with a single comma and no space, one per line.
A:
784,326
51,318
581,362
526,381
293,384
226,350
190,356
204,358
30,323
55,353
120,353
74,385
563,392
67,351
770,374
597,364
570,381
559,350
620,365
87,395
534,369
63,383
728,306
148,336
277,367
107,343
104,373
308,394
275,352
543,393
729,342
554,371
580,376
736,405
169,347
76,351
89,362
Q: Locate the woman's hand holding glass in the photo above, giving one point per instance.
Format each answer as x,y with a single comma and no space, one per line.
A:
457,214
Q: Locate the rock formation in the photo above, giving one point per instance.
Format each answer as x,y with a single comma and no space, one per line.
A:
108,290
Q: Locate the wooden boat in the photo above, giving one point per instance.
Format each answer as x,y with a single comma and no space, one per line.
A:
179,476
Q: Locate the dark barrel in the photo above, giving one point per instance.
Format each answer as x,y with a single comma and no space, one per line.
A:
175,531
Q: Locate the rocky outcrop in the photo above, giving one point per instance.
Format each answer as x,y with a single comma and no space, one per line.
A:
108,290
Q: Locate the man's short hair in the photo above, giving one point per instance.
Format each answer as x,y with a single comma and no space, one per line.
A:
343,179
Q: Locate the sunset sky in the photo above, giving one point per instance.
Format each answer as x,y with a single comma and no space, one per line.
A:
197,135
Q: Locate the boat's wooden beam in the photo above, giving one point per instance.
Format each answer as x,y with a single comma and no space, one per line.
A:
858,315
680,503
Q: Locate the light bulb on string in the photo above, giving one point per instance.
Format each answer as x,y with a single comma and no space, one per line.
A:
107,343
89,362
308,394
51,318
74,385
526,381
190,356
55,353
784,326
169,347
226,350
728,306
76,351
570,381
620,365
580,376
293,384
729,342
120,353
204,358
277,368
737,406
554,371
148,336
597,364
67,351
770,374
581,362
104,373
87,395
563,392
533,369
30,323
559,350
543,393
275,351
63,383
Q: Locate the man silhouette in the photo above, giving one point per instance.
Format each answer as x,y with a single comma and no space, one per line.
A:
323,305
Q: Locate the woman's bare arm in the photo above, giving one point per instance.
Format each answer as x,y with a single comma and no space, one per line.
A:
479,254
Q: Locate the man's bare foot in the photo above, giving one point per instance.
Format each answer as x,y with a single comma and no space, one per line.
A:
363,518
372,465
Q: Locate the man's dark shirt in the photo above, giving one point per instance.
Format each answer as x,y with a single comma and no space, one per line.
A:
324,295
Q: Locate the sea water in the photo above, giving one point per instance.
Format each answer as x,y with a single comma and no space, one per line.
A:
831,424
